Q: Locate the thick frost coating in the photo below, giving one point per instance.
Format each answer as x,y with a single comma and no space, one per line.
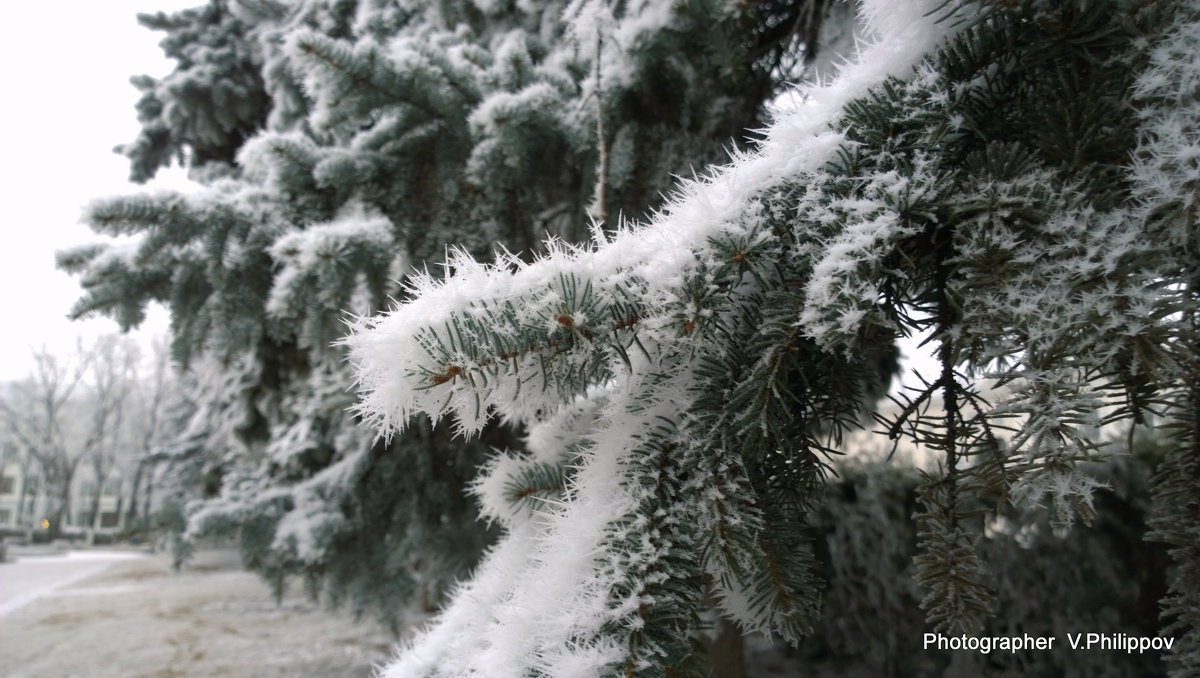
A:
392,352
525,340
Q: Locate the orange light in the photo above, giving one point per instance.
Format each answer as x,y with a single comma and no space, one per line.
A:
45,523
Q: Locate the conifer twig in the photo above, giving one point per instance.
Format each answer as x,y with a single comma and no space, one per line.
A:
601,211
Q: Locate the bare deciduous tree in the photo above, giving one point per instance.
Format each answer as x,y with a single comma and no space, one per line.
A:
147,427
69,410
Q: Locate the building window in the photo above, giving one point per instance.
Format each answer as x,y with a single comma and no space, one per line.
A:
7,484
5,517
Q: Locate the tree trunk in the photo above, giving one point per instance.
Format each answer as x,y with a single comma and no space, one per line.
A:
58,498
132,514
146,504
30,509
96,497
120,511
726,652
19,520
54,521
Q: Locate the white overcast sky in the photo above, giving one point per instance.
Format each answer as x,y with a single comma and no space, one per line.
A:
65,68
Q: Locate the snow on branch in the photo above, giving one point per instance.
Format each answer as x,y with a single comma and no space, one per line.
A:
439,352
606,346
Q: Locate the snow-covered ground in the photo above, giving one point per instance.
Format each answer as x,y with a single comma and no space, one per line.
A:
30,577
121,614
126,615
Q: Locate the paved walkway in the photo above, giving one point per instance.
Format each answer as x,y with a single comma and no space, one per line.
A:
33,576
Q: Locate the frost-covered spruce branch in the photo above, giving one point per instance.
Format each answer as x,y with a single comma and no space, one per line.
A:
593,581
899,198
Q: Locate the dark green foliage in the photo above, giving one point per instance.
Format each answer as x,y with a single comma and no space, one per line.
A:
1103,576
1024,92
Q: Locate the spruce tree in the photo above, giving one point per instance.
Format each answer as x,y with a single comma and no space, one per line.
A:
337,146
1012,180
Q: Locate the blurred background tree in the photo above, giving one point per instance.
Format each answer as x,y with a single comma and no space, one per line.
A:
339,145
78,432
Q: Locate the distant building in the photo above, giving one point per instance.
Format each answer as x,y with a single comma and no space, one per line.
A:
22,499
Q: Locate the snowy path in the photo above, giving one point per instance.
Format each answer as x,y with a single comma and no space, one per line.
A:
32,577
136,616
